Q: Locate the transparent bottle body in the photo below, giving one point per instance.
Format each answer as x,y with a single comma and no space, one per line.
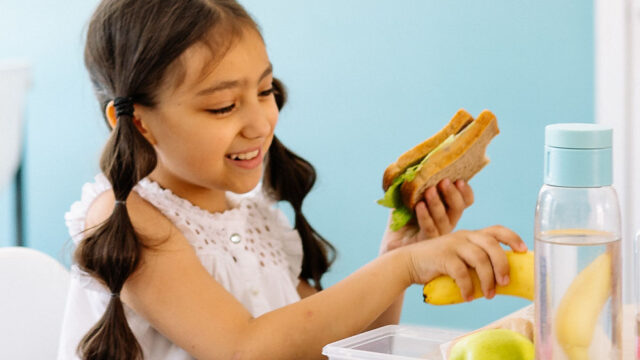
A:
578,297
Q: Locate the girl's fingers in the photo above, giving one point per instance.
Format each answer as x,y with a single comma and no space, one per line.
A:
458,270
496,253
437,211
507,237
425,222
465,191
478,259
454,200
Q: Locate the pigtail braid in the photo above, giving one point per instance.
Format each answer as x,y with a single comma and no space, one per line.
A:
133,48
112,252
289,177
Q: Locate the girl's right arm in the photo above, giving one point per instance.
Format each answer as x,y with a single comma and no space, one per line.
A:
173,291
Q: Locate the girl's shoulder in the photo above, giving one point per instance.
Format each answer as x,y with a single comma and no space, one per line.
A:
96,205
76,217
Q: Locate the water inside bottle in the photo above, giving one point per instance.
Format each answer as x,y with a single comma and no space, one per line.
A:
578,308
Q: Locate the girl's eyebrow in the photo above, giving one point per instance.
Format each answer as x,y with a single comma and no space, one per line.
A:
233,83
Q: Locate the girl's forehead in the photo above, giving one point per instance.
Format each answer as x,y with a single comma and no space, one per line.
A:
213,60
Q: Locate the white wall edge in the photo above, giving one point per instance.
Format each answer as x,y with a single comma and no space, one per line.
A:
616,91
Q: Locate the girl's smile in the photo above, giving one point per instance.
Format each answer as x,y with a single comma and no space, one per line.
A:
248,159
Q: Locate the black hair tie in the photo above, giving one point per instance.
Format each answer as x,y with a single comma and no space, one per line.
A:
124,106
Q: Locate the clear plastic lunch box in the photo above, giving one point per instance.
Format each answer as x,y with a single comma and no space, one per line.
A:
392,342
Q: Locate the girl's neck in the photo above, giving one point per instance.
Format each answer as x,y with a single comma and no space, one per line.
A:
214,201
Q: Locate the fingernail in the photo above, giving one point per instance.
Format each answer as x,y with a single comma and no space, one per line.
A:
446,183
505,280
470,297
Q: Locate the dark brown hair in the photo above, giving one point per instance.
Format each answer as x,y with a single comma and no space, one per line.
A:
130,45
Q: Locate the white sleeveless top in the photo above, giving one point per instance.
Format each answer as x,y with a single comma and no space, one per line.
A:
250,249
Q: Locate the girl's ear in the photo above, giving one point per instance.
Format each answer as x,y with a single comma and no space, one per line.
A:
110,113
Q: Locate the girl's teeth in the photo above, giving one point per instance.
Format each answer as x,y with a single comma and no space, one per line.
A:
245,156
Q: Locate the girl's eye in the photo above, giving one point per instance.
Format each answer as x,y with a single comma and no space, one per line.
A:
267,92
223,110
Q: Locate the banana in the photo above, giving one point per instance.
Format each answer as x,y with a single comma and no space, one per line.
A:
444,291
580,307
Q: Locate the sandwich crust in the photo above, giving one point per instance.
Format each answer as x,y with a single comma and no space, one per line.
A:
460,160
461,119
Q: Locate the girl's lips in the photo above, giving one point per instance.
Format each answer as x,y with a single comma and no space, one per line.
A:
247,164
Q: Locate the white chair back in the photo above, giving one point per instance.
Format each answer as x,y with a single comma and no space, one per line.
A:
15,78
33,292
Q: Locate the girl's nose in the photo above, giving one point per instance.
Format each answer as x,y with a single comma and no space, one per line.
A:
258,121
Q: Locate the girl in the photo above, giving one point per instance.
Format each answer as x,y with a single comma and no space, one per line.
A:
170,263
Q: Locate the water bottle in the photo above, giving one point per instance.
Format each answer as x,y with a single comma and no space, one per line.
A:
578,298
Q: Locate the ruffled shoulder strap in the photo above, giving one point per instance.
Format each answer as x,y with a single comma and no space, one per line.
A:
77,214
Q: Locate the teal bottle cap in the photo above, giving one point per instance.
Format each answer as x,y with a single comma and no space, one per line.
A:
578,155
578,136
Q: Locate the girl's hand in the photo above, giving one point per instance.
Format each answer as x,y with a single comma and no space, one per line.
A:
436,216
455,254
441,209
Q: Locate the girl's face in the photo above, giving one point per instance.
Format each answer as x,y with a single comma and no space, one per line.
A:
213,130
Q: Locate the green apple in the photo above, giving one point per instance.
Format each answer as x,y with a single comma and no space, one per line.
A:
493,344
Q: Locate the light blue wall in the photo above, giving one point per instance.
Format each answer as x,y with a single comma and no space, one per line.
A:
63,129
367,79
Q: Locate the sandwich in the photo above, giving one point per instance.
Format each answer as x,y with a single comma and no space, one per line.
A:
455,152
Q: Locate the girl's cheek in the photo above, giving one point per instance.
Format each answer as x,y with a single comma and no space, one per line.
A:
275,113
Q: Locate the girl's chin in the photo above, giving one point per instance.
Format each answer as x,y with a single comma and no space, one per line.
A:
245,186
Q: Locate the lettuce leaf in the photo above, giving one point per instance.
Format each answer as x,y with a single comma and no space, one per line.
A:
400,217
392,197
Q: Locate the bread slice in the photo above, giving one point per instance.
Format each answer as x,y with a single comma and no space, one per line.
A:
459,121
462,159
